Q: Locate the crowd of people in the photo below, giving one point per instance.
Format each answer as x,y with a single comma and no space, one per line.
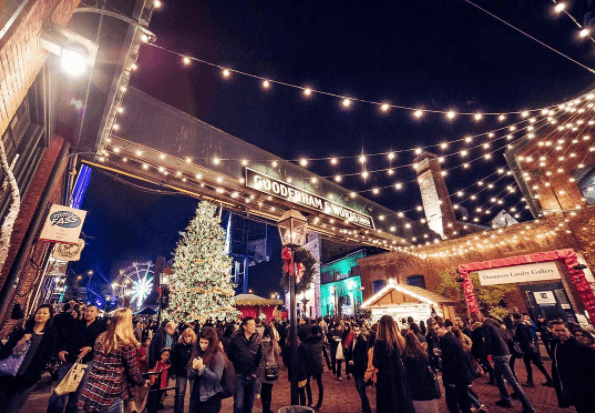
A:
124,359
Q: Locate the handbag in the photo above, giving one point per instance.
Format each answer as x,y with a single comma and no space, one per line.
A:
371,374
271,373
339,354
73,378
10,365
437,392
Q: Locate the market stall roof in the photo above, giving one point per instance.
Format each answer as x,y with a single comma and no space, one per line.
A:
385,296
255,300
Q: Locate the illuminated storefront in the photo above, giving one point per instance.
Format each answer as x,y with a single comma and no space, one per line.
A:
342,298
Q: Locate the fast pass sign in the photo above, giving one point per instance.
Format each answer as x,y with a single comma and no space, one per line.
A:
63,225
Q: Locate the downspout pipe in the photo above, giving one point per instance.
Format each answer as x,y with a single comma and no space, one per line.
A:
14,276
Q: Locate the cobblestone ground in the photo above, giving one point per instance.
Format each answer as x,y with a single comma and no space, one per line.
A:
341,396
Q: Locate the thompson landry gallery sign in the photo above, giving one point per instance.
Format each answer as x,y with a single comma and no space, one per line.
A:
519,274
279,189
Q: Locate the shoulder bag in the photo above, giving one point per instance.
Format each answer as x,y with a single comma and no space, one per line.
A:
10,365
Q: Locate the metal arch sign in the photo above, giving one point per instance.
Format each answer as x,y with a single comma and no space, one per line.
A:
282,190
63,225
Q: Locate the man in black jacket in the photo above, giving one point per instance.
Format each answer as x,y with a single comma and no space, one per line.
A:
79,344
495,344
455,373
357,357
164,337
573,370
245,351
524,337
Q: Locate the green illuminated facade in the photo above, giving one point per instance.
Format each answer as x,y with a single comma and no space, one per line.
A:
341,297
340,290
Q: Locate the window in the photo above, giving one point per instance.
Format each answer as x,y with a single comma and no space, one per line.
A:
416,280
585,178
13,136
378,285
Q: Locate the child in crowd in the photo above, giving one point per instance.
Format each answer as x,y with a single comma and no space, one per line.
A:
143,354
159,377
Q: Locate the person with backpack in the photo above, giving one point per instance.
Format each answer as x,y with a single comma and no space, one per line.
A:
206,368
245,352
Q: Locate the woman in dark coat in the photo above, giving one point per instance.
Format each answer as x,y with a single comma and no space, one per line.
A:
420,375
301,367
180,359
392,389
42,338
478,350
315,363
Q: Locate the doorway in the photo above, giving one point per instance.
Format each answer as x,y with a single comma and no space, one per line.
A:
548,300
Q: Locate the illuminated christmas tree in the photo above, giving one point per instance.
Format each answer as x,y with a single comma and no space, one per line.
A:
201,286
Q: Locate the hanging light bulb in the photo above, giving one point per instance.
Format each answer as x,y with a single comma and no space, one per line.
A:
385,107
418,113
226,73
451,114
266,84
478,116
346,103
559,7
307,91
303,162
334,161
186,60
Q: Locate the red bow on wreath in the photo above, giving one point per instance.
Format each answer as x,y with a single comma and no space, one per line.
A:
287,256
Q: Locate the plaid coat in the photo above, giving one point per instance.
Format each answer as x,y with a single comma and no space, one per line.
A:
112,377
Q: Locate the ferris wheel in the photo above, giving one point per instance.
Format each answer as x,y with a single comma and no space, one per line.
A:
135,283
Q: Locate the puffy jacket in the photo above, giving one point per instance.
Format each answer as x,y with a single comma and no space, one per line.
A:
494,338
246,354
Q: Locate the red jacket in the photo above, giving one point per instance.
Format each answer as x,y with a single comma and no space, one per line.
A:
161,368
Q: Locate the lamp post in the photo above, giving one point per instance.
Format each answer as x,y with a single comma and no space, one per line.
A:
293,229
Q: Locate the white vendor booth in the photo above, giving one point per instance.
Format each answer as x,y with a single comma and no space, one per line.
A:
402,301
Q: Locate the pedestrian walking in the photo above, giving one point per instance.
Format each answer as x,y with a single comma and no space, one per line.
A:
80,343
337,356
245,351
180,359
573,370
530,350
115,367
205,371
478,351
159,378
392,389
314,364
143,354
456,375
496,344
357,356
302,370
269,369
425,390
584,337
547,337
38,340
163,338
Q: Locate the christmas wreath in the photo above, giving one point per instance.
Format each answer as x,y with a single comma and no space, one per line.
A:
304,264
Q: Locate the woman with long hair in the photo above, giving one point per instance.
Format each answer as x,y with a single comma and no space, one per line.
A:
38,339
180,359
270,350
115,366
392,389
424,390
206,369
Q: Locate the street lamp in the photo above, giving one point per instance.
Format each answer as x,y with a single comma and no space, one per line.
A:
293,229
76,52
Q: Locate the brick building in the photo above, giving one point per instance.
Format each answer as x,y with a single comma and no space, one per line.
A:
555,171
48,120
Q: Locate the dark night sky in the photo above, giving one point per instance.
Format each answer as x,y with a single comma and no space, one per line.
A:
434,54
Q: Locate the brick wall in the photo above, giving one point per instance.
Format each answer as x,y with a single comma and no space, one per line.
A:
21,58
30,206
501,244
